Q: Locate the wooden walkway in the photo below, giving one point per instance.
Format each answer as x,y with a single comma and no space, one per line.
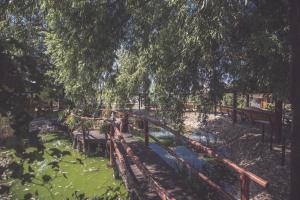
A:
147,176
93,138
160,171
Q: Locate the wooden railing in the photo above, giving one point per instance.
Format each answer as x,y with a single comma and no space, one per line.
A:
196,173
245,176
116,134
250,113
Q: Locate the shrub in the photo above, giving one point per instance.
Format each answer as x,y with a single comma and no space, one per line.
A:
104,127
72,121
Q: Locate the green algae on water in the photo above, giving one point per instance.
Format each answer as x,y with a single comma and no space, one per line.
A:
53,170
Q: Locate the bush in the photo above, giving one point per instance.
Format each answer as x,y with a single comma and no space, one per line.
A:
270,107
104,127
87,124
72,122
63,114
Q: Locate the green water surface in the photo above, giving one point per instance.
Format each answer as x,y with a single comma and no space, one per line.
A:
53,170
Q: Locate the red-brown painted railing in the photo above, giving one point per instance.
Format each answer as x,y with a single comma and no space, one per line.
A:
124,167
162,192
195,172
245,176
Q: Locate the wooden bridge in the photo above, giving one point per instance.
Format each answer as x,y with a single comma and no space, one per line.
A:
137,160
147,176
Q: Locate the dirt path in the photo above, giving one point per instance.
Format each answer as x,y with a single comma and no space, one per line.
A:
243,145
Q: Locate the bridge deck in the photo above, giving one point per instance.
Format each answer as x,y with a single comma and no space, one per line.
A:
160,170
91,135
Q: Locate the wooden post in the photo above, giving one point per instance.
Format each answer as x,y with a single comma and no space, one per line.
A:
51,105
88,151
244,181
83,139
74,142
247,100
111,147
146,132
58,104
283,151
234,115
124,124
139,102
215,108
278,121
78,143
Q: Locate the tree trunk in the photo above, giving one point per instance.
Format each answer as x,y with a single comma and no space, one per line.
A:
294,17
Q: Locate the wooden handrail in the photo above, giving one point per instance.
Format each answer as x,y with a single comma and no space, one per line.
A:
211,153
162,192
196,172
87,118
244,174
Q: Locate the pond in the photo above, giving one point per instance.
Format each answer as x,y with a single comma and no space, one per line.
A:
48,168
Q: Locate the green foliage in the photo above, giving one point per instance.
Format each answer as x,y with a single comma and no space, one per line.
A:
22,62
81,39
86,124
270,107
63,114
72,121
168,52
104,127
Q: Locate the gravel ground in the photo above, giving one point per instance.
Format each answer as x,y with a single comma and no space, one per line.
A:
243,145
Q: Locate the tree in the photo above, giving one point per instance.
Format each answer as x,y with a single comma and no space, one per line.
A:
22,60
294,18
82,38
